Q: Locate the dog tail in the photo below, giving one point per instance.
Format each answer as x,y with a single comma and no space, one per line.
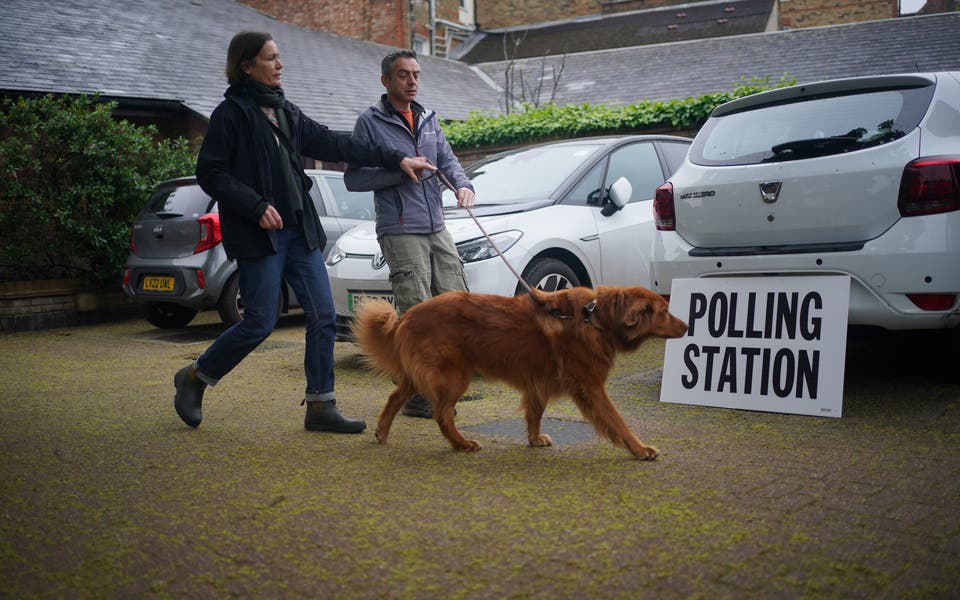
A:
373,327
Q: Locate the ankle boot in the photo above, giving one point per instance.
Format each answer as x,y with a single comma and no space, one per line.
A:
189,395
323,415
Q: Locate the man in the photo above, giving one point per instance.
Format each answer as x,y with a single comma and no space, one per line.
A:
418,249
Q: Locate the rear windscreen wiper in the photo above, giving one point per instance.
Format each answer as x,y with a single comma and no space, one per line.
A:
815,144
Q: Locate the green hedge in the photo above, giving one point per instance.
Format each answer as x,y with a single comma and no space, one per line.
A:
73,178
552,121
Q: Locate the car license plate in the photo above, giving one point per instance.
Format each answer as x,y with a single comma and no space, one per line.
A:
158,284
355,298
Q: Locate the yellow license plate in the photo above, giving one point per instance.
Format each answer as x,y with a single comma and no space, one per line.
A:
158,284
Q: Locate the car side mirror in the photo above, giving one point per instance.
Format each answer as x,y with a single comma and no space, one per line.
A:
619,194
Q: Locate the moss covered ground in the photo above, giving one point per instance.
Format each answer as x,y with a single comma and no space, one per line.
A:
105,493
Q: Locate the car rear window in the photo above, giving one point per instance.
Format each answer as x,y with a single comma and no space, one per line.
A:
179,200
811,126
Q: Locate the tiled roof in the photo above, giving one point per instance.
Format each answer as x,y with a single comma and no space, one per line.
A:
693,68
176,50
651,26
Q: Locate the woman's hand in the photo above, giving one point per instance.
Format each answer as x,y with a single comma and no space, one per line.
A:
415,165
270,219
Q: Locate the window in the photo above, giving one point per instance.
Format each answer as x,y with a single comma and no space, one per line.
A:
421,45
640,165
351,205
807,127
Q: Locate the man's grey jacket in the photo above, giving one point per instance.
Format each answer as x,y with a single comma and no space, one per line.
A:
405,207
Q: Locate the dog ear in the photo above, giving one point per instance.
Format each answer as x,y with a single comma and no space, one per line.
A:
636,308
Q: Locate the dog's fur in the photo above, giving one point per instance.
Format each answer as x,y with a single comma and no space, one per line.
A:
546,348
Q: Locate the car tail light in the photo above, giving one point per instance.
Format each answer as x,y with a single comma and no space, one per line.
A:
133,242
201,282
933,301
663,213
209,232
126,277
929,186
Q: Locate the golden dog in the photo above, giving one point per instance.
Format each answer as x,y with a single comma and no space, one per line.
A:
560,344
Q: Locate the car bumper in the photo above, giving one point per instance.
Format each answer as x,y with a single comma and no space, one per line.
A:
919,255
186,289
353,277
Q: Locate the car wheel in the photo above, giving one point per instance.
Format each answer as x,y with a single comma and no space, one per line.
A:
166,315
230,305
549,275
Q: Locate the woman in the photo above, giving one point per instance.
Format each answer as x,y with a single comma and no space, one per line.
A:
250,164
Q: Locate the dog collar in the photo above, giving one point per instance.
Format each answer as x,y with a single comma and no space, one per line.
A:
588,309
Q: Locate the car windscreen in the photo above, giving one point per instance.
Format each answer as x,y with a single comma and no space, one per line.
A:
810,127
528,174
180,200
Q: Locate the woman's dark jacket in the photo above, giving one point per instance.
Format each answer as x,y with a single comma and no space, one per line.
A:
238,167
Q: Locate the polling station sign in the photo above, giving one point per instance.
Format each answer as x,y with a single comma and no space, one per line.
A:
775,344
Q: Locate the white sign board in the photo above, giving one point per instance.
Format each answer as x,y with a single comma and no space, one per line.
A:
775,344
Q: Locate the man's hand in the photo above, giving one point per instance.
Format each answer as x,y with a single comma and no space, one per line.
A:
414,165
465,197
270,219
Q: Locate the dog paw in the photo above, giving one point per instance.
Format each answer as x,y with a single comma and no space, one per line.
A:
469,446
541,441
381,437
646,453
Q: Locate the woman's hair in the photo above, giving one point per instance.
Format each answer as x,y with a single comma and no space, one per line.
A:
244,46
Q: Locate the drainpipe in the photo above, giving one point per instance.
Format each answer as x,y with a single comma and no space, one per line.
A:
413,24
433,25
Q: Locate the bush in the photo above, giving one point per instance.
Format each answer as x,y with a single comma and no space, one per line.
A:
552,121
73,178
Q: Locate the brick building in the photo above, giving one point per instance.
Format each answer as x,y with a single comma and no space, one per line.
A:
493,14
450,28
428,26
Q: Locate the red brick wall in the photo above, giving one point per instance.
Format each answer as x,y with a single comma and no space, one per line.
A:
815,13
383,21
492,14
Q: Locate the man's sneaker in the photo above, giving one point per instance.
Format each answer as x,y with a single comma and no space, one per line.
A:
418,406
323,415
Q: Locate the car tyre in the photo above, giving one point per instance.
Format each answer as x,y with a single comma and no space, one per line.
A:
230,305
549,275
167,315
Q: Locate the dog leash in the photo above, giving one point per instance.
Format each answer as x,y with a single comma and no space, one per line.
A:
526,286
587,310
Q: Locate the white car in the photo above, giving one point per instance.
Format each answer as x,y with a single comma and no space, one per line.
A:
549,211
857,177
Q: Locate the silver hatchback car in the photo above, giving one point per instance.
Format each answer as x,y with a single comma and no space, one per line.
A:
177,265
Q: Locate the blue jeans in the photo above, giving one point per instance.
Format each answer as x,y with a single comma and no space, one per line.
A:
260,280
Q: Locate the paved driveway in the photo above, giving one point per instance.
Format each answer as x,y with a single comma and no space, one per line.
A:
104,492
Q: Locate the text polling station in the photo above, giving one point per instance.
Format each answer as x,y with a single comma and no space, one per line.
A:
774,344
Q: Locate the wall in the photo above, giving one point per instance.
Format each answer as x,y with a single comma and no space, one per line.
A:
493,14
382,21
43,304
796,14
